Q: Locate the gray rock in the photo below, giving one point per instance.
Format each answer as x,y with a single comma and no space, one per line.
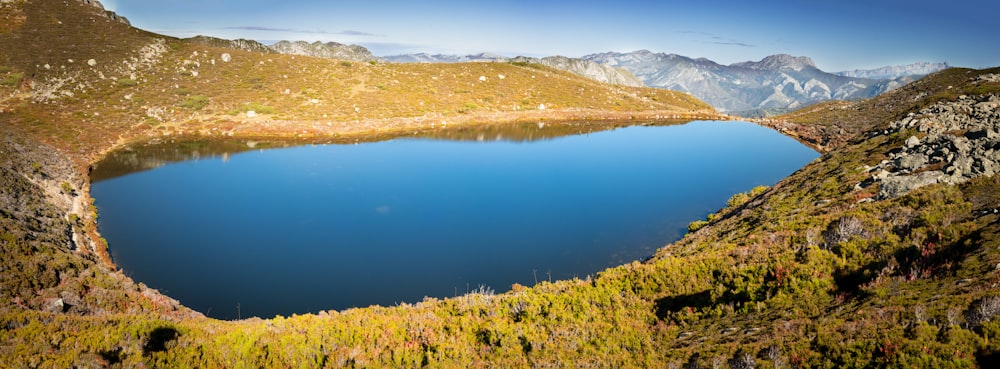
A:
961,166
989,167
55,306
901,185
70,298
912,162
913,141
961,144
988,105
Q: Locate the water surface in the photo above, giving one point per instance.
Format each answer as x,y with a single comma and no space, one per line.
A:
235,230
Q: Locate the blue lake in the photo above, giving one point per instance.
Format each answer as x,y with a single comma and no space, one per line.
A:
233,231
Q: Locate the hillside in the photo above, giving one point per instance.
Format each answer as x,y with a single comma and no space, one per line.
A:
828,268
580,67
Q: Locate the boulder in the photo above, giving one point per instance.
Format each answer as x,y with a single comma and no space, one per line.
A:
901,185
55,306
911,162
961,144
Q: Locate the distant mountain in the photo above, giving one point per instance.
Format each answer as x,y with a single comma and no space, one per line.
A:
779,61
896,71
442,58
330,50
774,84
585,68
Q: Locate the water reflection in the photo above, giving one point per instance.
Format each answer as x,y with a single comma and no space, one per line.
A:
158,152
433,213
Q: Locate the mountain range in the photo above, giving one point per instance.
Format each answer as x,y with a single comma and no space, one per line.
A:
776,84
773,85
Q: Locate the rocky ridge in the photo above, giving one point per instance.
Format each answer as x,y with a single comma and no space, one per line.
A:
329,50
953,143
237,44
107,13
896,71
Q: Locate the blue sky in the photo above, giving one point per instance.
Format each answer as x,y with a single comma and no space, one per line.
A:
838,35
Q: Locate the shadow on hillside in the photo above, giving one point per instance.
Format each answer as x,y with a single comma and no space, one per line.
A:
672,304
158,340
934,258
850,281
988,359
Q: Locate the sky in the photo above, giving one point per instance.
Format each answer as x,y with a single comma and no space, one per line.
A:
838,35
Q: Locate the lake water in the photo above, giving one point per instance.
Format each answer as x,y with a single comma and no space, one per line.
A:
234,230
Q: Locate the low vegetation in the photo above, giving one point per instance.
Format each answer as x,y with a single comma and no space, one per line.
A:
811,272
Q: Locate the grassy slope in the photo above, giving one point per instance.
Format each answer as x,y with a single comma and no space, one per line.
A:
144,84
759,282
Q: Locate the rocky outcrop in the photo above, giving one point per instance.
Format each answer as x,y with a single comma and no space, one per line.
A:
107,13
237,44
586,68
330,50
952,143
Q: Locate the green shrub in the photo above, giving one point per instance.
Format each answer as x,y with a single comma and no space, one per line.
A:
256,107
66,187
127,82
468,107
696,225
196,102
12,79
